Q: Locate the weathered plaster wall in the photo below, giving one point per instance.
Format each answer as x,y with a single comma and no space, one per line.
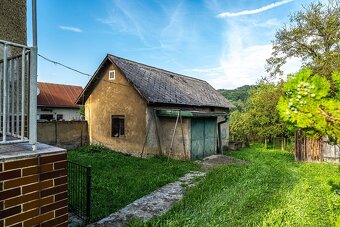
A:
65,134
12,22
116,97
166,127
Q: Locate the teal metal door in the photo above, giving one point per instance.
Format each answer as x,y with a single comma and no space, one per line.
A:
203,137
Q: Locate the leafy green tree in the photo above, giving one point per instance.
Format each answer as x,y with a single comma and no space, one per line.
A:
307,104
313,35
260,120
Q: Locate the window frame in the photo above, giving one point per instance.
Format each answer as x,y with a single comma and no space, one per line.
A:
114,74
121,126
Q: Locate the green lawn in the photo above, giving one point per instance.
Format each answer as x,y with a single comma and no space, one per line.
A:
273,190
119,179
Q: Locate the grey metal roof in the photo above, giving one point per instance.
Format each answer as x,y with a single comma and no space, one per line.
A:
159,86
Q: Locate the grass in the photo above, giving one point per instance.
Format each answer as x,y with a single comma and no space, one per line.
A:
119,179
273,190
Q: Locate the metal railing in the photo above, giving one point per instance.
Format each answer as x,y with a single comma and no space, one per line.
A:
79,190
14,92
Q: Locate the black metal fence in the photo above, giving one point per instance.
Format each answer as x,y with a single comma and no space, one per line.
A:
79,190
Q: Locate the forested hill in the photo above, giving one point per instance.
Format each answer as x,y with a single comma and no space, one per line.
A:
237,96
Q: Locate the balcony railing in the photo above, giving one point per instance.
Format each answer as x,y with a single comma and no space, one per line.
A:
14,92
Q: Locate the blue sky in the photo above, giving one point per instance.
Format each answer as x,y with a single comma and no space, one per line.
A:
224,42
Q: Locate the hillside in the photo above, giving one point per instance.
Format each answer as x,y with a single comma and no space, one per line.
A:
237,96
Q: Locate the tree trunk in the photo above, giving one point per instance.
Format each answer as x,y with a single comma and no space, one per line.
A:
265,142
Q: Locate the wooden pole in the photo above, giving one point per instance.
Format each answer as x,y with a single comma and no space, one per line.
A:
146,138
173,136
157,132
185,152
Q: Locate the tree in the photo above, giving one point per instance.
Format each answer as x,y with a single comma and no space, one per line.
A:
308,105
260,120
313,36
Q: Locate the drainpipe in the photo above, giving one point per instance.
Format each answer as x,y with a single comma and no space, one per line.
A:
226,118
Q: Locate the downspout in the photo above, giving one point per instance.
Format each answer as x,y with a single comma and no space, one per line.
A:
226,118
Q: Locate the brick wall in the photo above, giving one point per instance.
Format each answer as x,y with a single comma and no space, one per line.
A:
33,191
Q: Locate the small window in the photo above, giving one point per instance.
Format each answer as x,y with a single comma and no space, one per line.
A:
60,117
112,75
47,117
117,126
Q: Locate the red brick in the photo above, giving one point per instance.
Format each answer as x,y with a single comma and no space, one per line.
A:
53,206
56,221
37,203
39,219
21,199
21,163
60,165
9,212
9,193
61,211
10,174
17,225
54,190
37,169
22,217
1,223
1,205
60,196
20,181
60,180
0,167
65,224
53,158
37,186
53,174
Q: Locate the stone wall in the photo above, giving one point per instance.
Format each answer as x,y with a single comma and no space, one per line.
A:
64,134
33,191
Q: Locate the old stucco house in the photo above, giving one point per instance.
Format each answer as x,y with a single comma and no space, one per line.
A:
142,110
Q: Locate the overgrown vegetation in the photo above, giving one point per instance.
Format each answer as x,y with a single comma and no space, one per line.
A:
308,105
273,190
259,121
119,179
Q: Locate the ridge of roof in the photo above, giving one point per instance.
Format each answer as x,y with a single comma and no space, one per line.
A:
39,82
158,69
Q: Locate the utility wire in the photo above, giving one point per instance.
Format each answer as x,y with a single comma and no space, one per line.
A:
77,71
58,63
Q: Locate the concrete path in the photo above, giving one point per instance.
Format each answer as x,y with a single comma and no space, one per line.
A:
154,204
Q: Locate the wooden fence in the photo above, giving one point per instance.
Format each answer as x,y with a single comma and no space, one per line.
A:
315,150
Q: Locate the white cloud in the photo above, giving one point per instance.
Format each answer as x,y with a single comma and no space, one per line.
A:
69,28
253,11
240,64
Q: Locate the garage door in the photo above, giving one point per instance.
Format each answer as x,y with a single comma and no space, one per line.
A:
203,137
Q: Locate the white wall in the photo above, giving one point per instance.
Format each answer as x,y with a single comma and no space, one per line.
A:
68,113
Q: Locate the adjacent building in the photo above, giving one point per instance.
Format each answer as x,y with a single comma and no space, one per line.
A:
142,110
58,102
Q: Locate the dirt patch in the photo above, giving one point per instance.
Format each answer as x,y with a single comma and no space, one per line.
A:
217,160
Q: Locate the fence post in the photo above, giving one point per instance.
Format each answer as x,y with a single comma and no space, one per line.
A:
88,192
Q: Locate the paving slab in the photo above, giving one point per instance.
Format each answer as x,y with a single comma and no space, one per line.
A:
154,204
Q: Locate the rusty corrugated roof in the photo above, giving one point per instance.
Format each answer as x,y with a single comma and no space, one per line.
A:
58,95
